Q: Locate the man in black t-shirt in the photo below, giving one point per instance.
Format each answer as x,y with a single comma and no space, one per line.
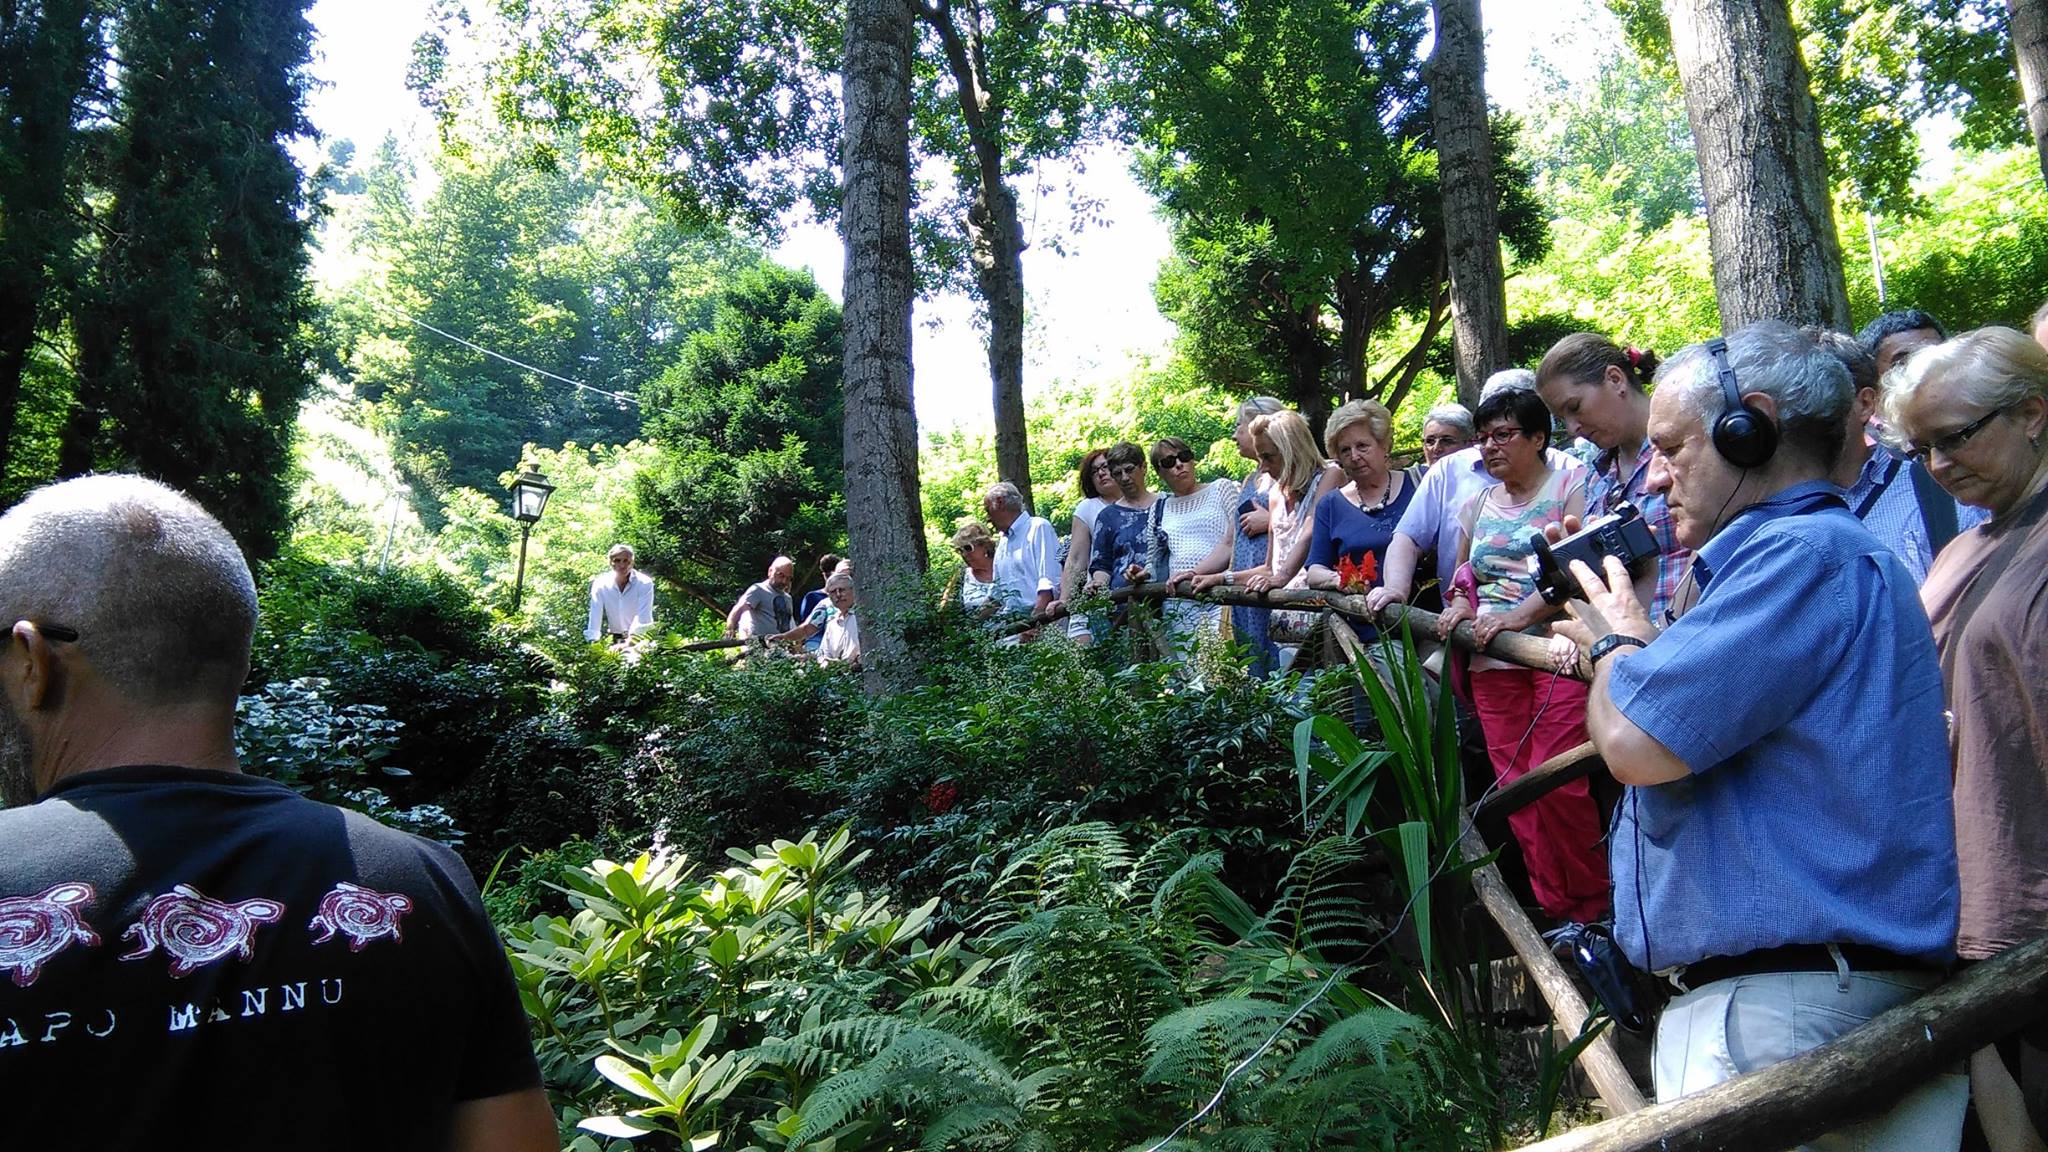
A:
194,957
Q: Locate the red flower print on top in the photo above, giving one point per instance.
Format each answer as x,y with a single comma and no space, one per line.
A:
360,914
197,931
35,928
1359,576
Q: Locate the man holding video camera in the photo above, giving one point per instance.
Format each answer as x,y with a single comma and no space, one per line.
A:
1786,846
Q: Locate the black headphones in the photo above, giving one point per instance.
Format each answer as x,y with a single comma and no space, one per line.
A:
1744,436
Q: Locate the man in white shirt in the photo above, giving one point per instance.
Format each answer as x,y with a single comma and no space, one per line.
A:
765,609
1027,552
622,602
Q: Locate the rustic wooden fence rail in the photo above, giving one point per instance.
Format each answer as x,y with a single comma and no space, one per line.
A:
1854,1077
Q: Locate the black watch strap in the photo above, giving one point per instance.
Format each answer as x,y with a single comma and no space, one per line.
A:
1610,642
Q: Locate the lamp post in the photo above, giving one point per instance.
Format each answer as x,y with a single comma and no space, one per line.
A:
530,492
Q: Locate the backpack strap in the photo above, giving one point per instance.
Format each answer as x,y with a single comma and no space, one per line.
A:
1937,509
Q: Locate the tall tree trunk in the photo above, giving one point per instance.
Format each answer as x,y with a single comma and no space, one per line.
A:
1770,219
1464,145
996,236
884,511
46,56
2030,50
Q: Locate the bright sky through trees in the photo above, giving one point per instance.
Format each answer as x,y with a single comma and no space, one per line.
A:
1090,308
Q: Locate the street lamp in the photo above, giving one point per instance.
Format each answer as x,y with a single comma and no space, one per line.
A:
530,492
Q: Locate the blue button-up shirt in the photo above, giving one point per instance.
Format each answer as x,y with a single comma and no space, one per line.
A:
1884,497
1804,694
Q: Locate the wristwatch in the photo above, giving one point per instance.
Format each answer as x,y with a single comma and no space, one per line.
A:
1610,642
1230,577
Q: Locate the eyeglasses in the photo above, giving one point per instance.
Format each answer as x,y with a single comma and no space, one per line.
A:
1952,443
58,632
1168,461
1100,469
1126,469
1441,441
1500,436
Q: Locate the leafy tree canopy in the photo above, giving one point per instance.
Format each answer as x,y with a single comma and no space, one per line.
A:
550,268
748,422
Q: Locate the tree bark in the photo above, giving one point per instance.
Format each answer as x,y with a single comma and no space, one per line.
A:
1471,200
45,59
884,510
996,239
1770,219
2030,51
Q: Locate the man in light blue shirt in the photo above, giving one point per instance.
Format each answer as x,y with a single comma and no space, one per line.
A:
1895,498
1027,552
1786,846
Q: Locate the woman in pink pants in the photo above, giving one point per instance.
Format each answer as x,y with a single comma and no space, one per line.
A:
1528,716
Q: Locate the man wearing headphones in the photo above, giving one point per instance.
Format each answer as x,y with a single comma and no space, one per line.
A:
1786,847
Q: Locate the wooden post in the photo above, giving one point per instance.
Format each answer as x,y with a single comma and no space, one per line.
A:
1603,1067
1545,778
1849,1079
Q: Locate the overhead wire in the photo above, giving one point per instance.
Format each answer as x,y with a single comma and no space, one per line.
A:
620,397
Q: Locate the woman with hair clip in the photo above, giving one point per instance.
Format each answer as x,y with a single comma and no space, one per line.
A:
1528,716
1286,451
1601,392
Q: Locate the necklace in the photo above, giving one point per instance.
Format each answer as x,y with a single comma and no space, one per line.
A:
1386,494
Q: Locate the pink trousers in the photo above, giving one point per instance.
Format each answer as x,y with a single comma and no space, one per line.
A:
1528,717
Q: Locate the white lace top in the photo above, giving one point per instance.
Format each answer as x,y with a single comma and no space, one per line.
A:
1193,524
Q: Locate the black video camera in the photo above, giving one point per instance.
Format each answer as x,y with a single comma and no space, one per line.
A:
1621,534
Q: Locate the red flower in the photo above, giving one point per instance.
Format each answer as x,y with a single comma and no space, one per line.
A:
1359,576
942,796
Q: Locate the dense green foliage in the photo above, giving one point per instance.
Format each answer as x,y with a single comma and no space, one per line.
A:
153,248
1290,146
748,423
552,269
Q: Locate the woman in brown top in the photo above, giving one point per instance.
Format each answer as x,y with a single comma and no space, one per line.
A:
1975,410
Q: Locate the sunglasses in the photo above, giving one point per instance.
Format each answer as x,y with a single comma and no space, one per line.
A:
1947,445
1172,459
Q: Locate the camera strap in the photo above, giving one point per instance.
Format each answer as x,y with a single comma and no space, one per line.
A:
1871,497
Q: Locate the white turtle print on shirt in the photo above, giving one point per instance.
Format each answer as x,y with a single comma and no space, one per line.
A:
35,928
361,914
197,931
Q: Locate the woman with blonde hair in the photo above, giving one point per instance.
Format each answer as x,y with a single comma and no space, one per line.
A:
1355,523
1975,411
976,585
1287,454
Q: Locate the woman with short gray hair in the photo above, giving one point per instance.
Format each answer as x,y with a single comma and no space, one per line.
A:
1975,411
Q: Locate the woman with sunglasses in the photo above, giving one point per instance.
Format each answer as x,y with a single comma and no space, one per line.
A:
978,593
1528,716
1098,490
1197,527
1975,411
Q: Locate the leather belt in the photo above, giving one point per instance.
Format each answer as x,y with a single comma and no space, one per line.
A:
1800,958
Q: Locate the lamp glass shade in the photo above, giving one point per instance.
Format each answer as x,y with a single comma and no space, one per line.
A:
530,494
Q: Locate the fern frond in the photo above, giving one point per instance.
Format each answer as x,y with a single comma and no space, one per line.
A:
1374,1034
1192,1047
976,1122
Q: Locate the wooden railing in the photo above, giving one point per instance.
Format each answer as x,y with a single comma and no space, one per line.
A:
1851,1078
